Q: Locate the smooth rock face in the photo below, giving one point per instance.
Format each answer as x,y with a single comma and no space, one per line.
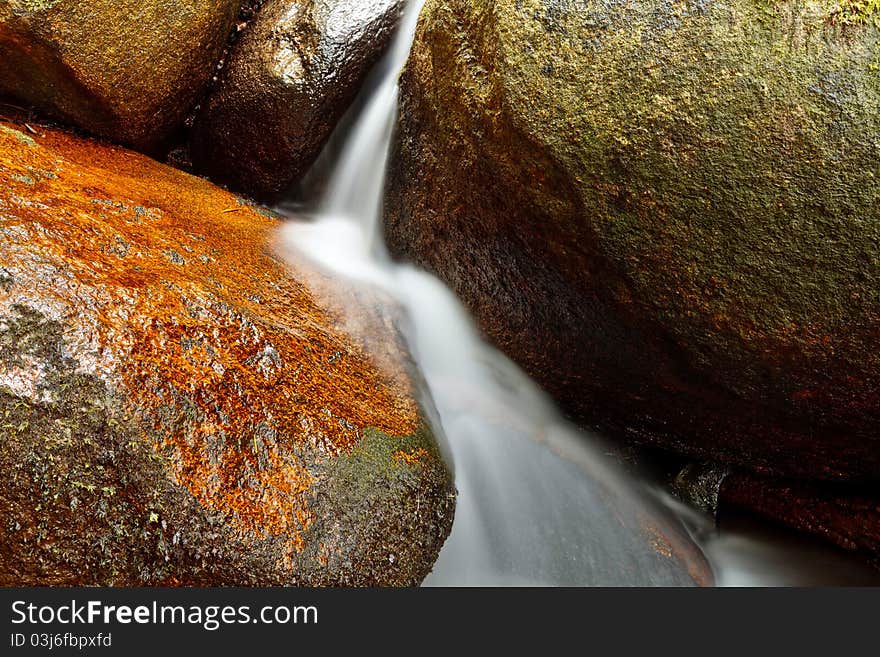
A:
667,212
288,81
176,407
129,70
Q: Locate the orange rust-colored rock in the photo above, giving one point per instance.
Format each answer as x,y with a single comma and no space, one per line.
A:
175,405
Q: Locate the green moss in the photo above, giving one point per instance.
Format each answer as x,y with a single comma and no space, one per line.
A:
380,514
35,5
859,12
728,167
23,138
374,465
28,334
26,180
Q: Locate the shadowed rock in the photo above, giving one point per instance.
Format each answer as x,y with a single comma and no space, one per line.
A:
287,82
175,405
668,213
129,70
846,515
849,518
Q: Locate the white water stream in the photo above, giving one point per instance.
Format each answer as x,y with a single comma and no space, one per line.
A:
539,502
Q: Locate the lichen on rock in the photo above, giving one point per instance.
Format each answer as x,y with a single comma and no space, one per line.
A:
174,396
665,210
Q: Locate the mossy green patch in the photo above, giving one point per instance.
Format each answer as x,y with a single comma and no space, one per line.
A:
31,6
23,138
388,488
38,5
712,151
26,180
859,11
7,280
376,465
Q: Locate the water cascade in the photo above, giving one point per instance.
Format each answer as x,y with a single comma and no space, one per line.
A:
540,502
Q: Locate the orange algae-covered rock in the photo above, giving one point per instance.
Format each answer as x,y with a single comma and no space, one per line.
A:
176,406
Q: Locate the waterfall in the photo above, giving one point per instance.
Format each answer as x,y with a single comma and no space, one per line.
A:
539,501
536,503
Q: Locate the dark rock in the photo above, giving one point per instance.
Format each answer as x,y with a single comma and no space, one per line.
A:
289,79
699,484
129,70
177,407
848,517
669,214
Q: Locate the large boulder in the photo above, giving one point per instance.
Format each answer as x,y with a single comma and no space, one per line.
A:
175,404
129,70
286,84
667,212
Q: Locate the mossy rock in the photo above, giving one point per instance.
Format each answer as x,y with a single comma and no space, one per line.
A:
129,70
179,407
667,211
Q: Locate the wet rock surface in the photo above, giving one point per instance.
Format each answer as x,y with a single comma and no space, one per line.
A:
287,82
668,213
176,407
846,516
129,70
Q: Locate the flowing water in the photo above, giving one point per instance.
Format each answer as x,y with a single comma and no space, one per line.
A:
539,502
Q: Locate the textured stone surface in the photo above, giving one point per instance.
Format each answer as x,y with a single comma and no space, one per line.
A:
175,405
129,70
287,82
849,518
667,212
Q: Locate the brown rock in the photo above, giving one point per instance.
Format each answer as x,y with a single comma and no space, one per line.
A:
286,84
176,406
848,517
668,214
129,70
